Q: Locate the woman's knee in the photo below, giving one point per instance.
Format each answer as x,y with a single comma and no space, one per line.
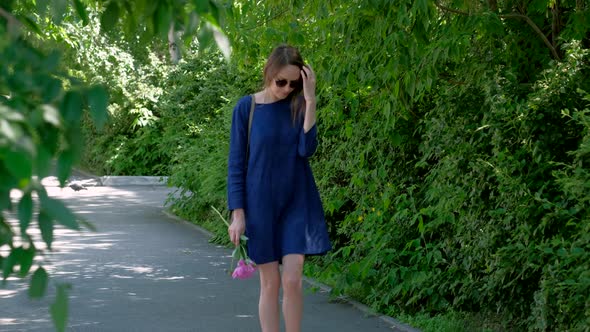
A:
269,278
292,282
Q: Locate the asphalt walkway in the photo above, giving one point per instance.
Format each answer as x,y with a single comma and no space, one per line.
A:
143,270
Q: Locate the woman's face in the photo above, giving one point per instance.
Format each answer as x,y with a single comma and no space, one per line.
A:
286,80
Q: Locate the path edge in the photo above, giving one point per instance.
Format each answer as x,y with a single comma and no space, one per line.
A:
392,322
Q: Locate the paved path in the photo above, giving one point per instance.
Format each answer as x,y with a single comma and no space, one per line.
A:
145,271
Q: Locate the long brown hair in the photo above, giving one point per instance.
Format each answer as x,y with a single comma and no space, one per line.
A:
281,56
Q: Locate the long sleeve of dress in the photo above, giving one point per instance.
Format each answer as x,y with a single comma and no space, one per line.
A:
236,177
308,142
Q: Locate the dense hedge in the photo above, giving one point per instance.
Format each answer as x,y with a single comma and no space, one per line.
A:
453,161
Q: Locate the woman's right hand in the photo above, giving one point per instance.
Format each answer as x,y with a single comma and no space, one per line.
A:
237,227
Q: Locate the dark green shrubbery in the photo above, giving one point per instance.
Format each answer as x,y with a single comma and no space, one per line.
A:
453,159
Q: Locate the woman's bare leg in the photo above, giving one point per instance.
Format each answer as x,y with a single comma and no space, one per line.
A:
292,291
268,305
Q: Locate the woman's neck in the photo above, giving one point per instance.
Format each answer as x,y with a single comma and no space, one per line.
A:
266,97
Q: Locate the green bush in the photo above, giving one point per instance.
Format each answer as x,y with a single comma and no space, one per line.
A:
453,157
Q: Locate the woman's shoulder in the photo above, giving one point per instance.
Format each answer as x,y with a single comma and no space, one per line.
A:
243,105
244,100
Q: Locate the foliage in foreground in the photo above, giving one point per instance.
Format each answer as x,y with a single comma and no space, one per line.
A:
42,106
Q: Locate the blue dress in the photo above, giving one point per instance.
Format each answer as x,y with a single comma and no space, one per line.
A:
277,191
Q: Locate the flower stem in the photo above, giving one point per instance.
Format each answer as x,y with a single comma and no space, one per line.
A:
221,216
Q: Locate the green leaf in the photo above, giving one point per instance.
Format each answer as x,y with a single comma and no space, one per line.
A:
5,202
205,36
25,212
5,232
51,115
59,308
214,18
43,163
236,253
202,7
31,24
11,131
39,283
9,263
51,90
64,166
46,227
26,260
98,100
162,18
57,210
42,6
81,10
19,164
58,9
72,107
88,225
110,16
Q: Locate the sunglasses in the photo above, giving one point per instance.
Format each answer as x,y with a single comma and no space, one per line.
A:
292,84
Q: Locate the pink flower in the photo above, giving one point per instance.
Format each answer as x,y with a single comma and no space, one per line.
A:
244,270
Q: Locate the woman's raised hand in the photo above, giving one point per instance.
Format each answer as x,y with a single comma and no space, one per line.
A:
308,77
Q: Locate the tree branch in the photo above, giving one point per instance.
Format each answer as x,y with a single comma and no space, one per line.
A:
450,10
512,15
537,30
8,16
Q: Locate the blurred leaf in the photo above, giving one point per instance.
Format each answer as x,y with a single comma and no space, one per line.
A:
9,263
10,130
64,166
51,115
51,90
72,107
31,24
5,232
46,226
81,10
59,212
58,9
19,164
130,24
214,18
42,6
205,36
110,16
25,212
222,42
26,260
88,225
43,163
59,308
202,7
39,283
98,100
162,18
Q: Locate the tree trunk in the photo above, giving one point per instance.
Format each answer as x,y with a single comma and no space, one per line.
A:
493,4
173,48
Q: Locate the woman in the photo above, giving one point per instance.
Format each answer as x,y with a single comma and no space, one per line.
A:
271,190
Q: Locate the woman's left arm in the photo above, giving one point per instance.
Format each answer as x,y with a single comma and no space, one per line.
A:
308,77
308,142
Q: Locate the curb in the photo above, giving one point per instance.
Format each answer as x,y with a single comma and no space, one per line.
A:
109,181
392,322
188,223
114,181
